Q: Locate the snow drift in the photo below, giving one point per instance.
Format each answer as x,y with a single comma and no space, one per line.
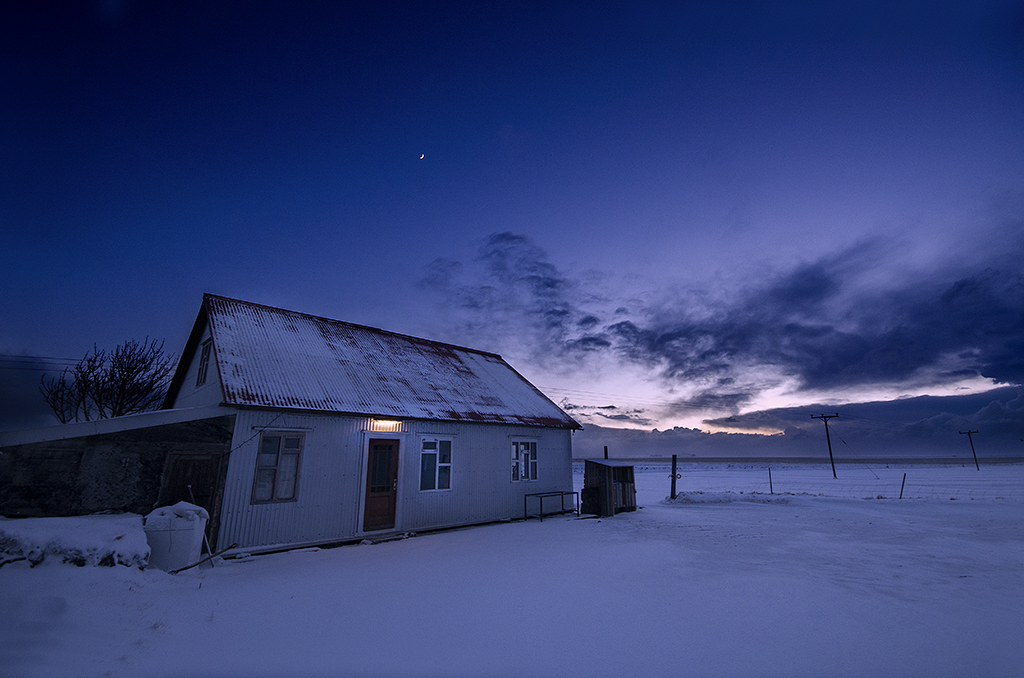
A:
103,540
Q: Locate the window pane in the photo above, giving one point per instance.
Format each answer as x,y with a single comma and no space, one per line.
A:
268,452
380,472
445,453
427,464
533,470
264,485
285,486
291,443
204,363
444,477
429,444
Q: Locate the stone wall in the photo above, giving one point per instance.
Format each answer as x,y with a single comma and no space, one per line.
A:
117,472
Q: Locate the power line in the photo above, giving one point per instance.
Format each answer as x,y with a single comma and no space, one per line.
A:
627,399
578,392
35,363
20,357
883,422
31,369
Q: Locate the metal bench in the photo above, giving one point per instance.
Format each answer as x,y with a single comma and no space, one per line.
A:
542,495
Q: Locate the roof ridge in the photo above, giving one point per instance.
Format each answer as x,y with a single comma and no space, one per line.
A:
207,295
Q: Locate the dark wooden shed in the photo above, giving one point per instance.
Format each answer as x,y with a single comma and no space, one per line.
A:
608,487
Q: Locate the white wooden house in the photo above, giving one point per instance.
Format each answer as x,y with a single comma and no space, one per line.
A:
343,431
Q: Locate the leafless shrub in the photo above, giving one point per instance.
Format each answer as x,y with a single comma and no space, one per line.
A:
132,378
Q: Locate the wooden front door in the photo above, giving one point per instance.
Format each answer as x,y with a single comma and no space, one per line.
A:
381,485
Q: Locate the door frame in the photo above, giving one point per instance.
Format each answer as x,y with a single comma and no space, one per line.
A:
216,499
364,465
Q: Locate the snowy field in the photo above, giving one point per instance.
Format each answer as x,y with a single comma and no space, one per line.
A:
823,578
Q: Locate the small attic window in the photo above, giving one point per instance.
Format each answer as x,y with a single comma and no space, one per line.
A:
204,362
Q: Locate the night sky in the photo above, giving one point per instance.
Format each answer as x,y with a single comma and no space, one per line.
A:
671,214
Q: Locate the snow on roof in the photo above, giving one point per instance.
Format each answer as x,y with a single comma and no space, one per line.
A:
271,357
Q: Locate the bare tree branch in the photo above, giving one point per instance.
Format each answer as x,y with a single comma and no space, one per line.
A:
137,377
58,395
133,378
87,386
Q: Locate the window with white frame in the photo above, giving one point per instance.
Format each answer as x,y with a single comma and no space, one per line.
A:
204,362
524,460
277,467
435,464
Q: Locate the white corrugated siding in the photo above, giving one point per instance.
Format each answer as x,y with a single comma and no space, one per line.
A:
332,475
270,357
482,489
328,482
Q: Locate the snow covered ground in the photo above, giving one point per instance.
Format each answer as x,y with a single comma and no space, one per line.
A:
829,580
104,540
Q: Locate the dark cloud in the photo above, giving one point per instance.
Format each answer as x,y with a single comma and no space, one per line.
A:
816,324
921,426
512,295
849,320
686,443
799,323
625,418
608,413
924,427
709,400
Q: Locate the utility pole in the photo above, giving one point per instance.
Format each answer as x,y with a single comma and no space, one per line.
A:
968,434
825,418
674,467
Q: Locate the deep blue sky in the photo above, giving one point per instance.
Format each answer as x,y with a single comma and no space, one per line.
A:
661,213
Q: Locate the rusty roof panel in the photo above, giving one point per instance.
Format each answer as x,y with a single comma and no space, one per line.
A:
275,358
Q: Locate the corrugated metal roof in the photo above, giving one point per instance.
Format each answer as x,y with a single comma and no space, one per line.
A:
271,357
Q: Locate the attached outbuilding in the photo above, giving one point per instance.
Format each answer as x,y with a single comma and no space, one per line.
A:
329,431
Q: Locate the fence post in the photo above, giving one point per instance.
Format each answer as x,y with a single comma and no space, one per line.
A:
770,490
902,484
673,477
